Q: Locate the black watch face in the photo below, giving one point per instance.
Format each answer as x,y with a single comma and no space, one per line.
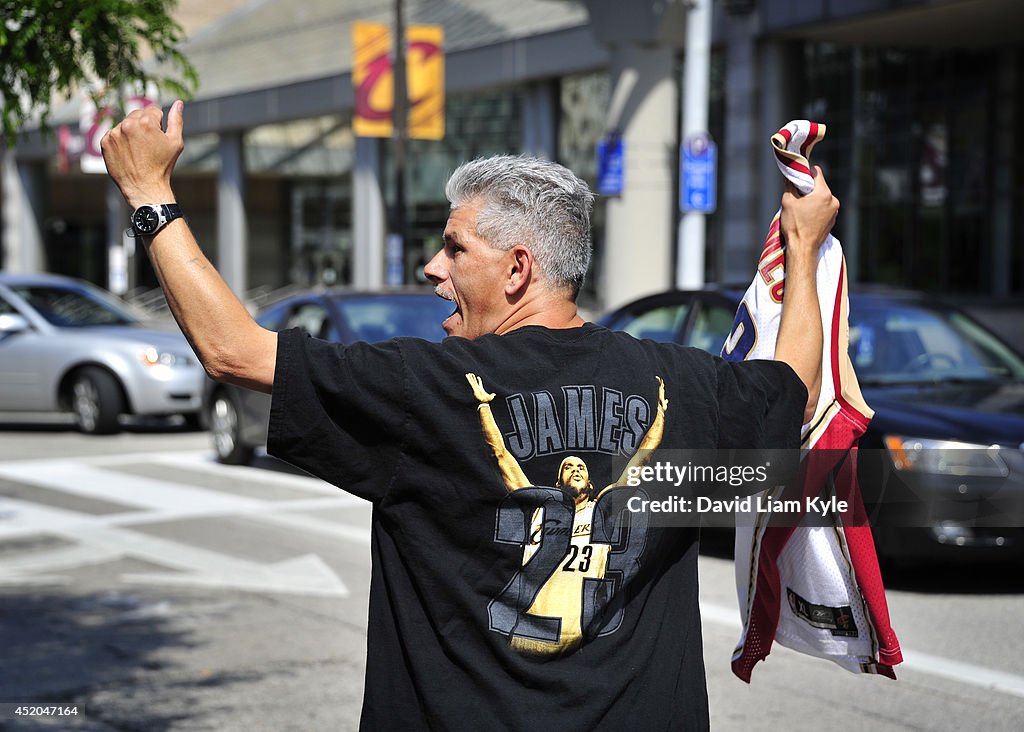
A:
145,219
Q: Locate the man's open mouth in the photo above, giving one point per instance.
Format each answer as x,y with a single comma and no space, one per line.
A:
451,298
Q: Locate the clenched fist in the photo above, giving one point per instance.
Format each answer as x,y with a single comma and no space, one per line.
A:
807,220
140,155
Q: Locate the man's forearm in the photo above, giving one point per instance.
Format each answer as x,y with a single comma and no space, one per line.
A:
140,157
799,342
805,223
230,344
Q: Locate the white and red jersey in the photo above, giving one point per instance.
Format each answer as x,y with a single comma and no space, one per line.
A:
815,589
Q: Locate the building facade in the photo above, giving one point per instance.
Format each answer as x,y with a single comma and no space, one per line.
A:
920,98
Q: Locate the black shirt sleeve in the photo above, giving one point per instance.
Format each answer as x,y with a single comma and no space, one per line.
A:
761,405
338,412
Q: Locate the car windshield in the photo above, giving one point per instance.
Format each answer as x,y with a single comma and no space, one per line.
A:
901,343
72,307
379,318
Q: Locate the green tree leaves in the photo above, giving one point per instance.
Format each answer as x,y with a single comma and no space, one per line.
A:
49,49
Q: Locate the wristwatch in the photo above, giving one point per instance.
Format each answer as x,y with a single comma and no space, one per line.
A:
149,218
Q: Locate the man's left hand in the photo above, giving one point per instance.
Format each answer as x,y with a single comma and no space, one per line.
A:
807,220
140,155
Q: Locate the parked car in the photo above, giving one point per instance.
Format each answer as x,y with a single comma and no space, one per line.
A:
238,417
67,346
942,463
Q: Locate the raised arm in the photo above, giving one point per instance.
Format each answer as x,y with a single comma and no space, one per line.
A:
652,438
511,472
806,221
140,157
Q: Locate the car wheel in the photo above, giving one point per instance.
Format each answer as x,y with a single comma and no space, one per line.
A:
226,429
96,401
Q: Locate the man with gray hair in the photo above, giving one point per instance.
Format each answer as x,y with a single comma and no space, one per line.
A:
456,639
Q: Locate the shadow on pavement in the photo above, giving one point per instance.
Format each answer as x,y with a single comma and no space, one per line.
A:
129,425
75,649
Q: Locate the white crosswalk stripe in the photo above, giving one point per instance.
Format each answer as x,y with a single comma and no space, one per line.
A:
96,539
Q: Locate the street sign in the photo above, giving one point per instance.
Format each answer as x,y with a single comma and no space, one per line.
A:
609,165
394,250
698,174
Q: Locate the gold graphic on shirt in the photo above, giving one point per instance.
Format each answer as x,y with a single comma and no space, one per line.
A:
562,597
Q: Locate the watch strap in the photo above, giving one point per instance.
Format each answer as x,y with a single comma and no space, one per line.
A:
170,211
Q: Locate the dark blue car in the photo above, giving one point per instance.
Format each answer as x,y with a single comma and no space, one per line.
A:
942,464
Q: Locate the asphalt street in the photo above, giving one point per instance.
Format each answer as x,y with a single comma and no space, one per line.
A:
150,588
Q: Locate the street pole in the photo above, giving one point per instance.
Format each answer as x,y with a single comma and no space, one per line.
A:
696,74
396,239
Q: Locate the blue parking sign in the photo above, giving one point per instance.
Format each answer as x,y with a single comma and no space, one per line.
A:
609,165
698,174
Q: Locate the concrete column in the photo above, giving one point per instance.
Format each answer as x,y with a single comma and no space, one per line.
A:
540,119
691,243
232,232
640,231
368,216
742,233
848,226
120,248
779,103
23,187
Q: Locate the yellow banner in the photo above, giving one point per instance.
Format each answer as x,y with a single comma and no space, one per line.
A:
425,64
374,85
372,79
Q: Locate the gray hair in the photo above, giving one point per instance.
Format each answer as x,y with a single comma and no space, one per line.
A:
530,201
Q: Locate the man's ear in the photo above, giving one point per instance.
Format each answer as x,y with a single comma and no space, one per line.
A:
520,270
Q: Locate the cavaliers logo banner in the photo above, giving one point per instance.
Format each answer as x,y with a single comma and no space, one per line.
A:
372,77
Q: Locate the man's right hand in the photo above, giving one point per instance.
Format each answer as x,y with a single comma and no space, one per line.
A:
140,155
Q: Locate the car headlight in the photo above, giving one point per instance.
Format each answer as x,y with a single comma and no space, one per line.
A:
945,457
153,357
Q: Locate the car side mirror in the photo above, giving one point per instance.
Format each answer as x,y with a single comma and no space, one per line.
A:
12,323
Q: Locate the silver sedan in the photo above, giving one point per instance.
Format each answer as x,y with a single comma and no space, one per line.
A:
66,346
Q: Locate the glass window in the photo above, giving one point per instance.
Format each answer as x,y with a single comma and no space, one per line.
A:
314,147
711,326
582,122
313,319
658,324
903,343
374,319
920,208
6,308
272,316
67,307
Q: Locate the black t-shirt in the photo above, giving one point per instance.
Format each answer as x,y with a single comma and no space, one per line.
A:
497,600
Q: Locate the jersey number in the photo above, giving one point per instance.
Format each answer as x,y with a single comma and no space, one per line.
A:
625,532
743,336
